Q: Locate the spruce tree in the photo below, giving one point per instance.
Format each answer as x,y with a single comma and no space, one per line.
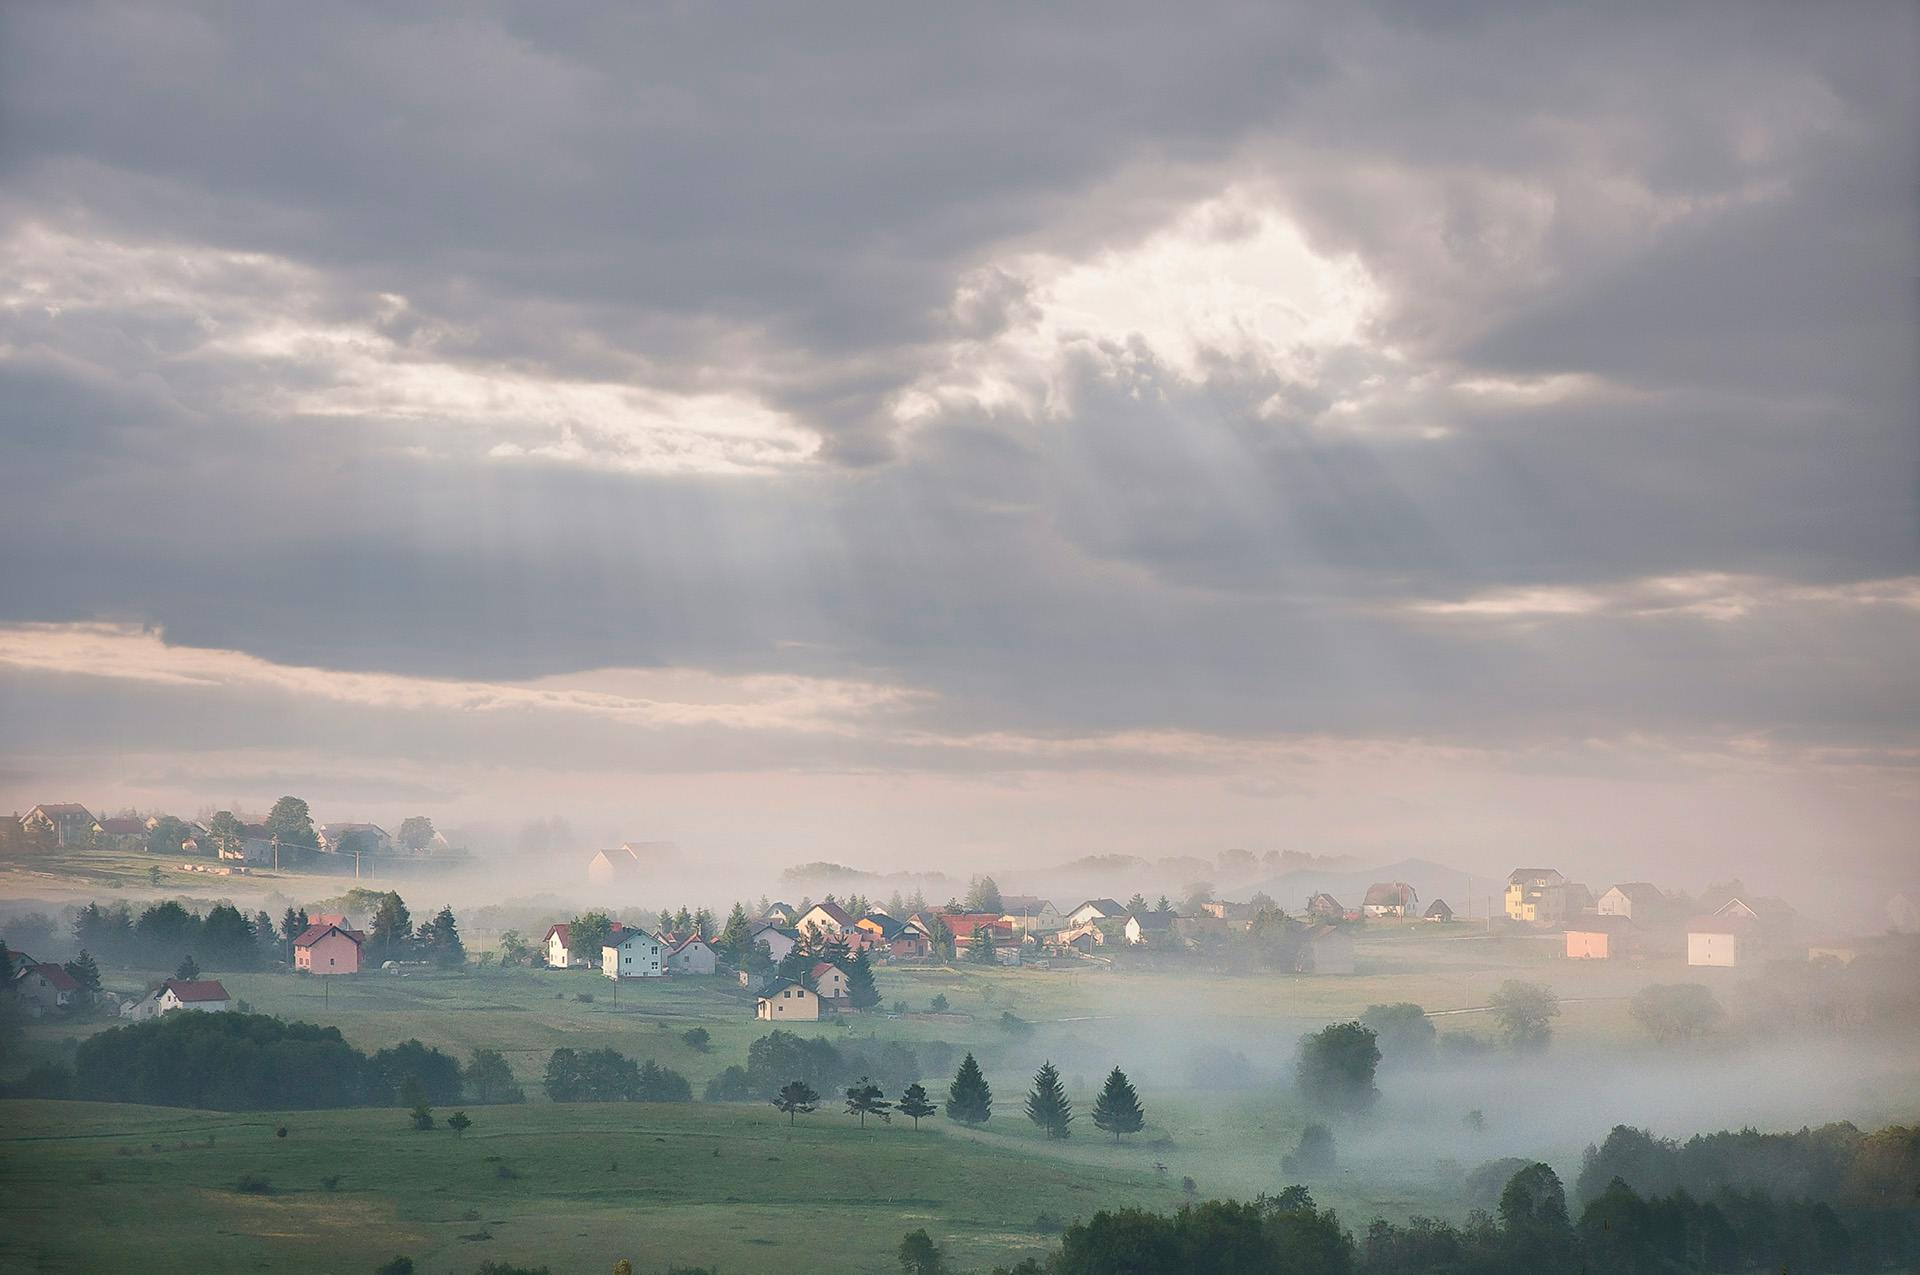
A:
732,943
914,1104
981,953
188,969
86,972
1047,1104
1117,1109
861,993
969,1099
867,1099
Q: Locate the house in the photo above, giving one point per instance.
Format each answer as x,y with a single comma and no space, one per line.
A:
1537,895
1151,929
255,850
1327,907
1636,900
370,837
782,914
1719,940
787,1001
1094,910
879,925
616,864
121,833
1437,911
778,939
328,947
1027,912
47,986
558,945
693,955
827,920
636,953
69,823
1598,938
203,994
1327,949
966,927
1389,898
829,982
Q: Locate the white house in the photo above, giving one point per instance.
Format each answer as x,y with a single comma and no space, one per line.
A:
830,919
67,821
1094,910
1718,940
373,839
203,994
1635,900
778,939
1151,928
784,1001
694,956
1030,912
633,954
558,945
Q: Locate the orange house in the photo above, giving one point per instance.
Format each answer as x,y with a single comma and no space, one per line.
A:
328,948
1597,938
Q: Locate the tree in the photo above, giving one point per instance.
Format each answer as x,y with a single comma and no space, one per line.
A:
981,952
698,1039
1313,1153
732,943
291,823
226,831
188,969
796,1098
392,923
969,1098
589,933
1525,1012
1403,1031
487,1078
1047,1103
939,1003
1676,1013
459,1123
416,833
167,835
1137,904
864,1098
861,993
984,896
85,971
940,940
413,1095
914,1104
441,936
514,949
1533,1212
655,1083
919,1255
293,923
1117,1109
1335,1067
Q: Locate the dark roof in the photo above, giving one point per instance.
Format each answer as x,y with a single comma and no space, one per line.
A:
1108,907
779,985
889,926
314,933
839,914
1640,891
1438,908
62,809
196,989
1155,920
1520,876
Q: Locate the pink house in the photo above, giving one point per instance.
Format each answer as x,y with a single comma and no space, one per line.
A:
327,947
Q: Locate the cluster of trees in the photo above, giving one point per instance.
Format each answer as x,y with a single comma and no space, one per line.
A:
1835,1164
607,1075
1117,1110
391,933
783,1056
251,1062
166,933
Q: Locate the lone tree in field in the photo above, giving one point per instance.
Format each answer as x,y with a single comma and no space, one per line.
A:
414,1095
1117,1109
1335,1067
1313,1153
459,1123
1047,1104
1676,1013
969,1098
868,1099
1525,1012
861,993
796,1098
914,1105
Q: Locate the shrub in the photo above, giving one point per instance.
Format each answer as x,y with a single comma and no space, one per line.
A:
253,1184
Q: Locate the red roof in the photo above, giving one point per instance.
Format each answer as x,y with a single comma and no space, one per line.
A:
314,933
963,925
822,967
196,989
58,977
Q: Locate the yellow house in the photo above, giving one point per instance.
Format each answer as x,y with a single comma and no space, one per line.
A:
1537,895
785,1002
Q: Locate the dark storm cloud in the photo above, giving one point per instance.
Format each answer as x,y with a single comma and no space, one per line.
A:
1710,211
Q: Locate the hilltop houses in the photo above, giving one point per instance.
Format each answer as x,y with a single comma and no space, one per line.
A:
558,946
328,947
67,822
1598,938
370,837
1325,906
1029,913
778,939
607,866
1150,929
120,833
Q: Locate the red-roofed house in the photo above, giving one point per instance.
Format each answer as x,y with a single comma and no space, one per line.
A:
829,983
966,926
121,834
203,994
1389,898
327,947
48,986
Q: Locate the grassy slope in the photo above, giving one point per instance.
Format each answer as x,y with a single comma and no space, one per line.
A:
729,1185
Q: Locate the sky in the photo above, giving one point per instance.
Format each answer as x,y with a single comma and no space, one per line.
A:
914,435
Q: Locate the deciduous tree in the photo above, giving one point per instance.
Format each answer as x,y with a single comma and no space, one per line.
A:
796,1098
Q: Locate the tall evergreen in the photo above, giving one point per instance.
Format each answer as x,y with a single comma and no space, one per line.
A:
981,953
732,943
1047,1104
914,1104
1117,1109
442,938
969,1099
861,993
86,972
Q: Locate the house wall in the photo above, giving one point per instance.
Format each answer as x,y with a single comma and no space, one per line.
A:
832,984
697,959
778,944
169,1002
333,953
1588,945
1713,949
789,1004
35,989
638,957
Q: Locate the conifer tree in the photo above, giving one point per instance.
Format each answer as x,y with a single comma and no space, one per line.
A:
1047,1104
867,1099
188,969
86,972
861,993
732,942
914,1104
1117,1109
796,1097
969,1099
981,953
